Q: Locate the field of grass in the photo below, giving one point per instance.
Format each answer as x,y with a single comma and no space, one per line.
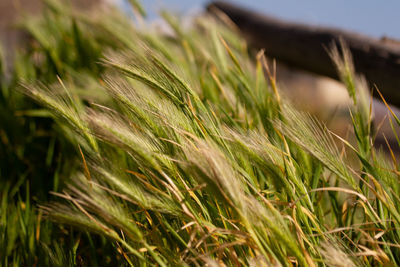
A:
124,146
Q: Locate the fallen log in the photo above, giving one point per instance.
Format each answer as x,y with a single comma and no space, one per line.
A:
306,47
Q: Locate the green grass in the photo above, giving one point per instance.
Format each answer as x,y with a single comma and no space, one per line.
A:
178,150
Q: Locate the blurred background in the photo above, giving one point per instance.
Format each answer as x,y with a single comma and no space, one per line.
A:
375,18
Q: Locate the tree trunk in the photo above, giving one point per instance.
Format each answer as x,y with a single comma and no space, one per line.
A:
305,47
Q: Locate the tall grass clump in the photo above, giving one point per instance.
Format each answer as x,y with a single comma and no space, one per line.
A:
182,152
36,154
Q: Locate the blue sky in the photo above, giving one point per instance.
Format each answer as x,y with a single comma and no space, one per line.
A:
372,17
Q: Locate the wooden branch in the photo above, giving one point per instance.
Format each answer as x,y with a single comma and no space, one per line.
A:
305,47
